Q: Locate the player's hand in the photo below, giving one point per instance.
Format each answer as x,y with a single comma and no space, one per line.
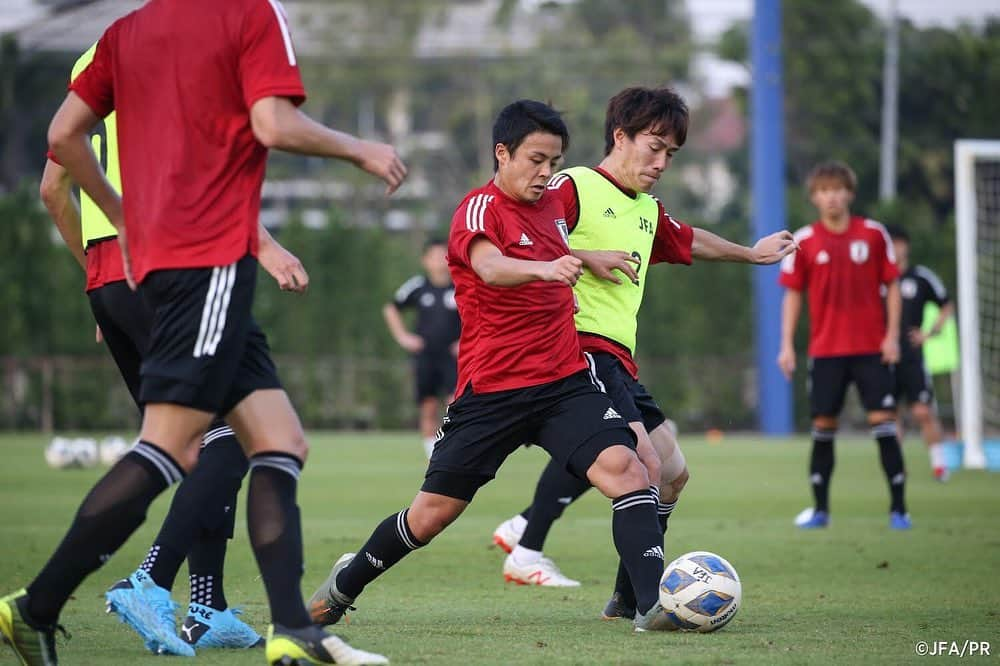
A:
786,361
412,343
917,337
283,266
98,336
772,249
453,348
603,263
566,269
890,349
381,159
119,224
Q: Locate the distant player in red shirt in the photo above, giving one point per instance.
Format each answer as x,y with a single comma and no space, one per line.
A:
842,264
522,376
201,91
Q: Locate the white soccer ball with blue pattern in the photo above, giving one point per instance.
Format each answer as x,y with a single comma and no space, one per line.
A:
700,591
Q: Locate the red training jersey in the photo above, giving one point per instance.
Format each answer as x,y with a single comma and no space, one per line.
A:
672,244
843,274
182,76
512,337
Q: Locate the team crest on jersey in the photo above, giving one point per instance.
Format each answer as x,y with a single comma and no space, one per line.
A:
427,300
563,229
859,251
908,288
821,258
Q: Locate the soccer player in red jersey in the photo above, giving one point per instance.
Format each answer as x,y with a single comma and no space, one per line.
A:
842,264
201,91
609,206
522,376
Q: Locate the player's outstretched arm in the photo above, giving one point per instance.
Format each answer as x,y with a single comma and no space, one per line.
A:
603,264
768,250
791,308
56,191
495,269
278,123
282,265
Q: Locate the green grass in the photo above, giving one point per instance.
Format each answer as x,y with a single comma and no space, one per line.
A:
855,593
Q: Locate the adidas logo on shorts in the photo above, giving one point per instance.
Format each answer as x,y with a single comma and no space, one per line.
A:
611,414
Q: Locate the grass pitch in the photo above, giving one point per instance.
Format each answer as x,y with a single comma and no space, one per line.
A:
854,593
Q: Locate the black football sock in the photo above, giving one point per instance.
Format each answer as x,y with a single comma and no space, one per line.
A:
222,465
391,541
556,490
114,508
623,584
276,534
821,467
891,455
163,560
204,502
205,570
640,544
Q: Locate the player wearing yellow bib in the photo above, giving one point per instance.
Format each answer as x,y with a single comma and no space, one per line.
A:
202,514
610,207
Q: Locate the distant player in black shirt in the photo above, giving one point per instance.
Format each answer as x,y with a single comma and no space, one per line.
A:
434,344
918,286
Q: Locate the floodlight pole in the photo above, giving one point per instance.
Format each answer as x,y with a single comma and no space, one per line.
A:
767,155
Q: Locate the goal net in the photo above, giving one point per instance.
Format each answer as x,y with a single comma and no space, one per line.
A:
977,228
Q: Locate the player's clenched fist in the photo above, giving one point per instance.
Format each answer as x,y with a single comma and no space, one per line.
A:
566,269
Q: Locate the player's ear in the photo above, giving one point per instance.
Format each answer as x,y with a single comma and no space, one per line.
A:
619,136
501,153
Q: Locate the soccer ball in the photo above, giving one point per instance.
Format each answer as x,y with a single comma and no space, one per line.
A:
59,453
700,591
63,453
85,451
112,448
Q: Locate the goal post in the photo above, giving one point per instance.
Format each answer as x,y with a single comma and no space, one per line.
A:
977,229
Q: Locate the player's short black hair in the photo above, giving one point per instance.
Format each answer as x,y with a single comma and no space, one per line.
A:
660,110
434,241
896,232
519,119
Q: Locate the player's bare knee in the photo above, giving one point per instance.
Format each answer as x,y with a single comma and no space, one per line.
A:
921,413
677,485
428,523
825,423
881,416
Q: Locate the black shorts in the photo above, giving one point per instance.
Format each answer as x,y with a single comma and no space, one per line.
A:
913,382
570,418
205,349
124,318
830,376
436,374
629,397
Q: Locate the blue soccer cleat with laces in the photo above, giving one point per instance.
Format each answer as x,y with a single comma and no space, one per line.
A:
810,519
148,609
206,627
